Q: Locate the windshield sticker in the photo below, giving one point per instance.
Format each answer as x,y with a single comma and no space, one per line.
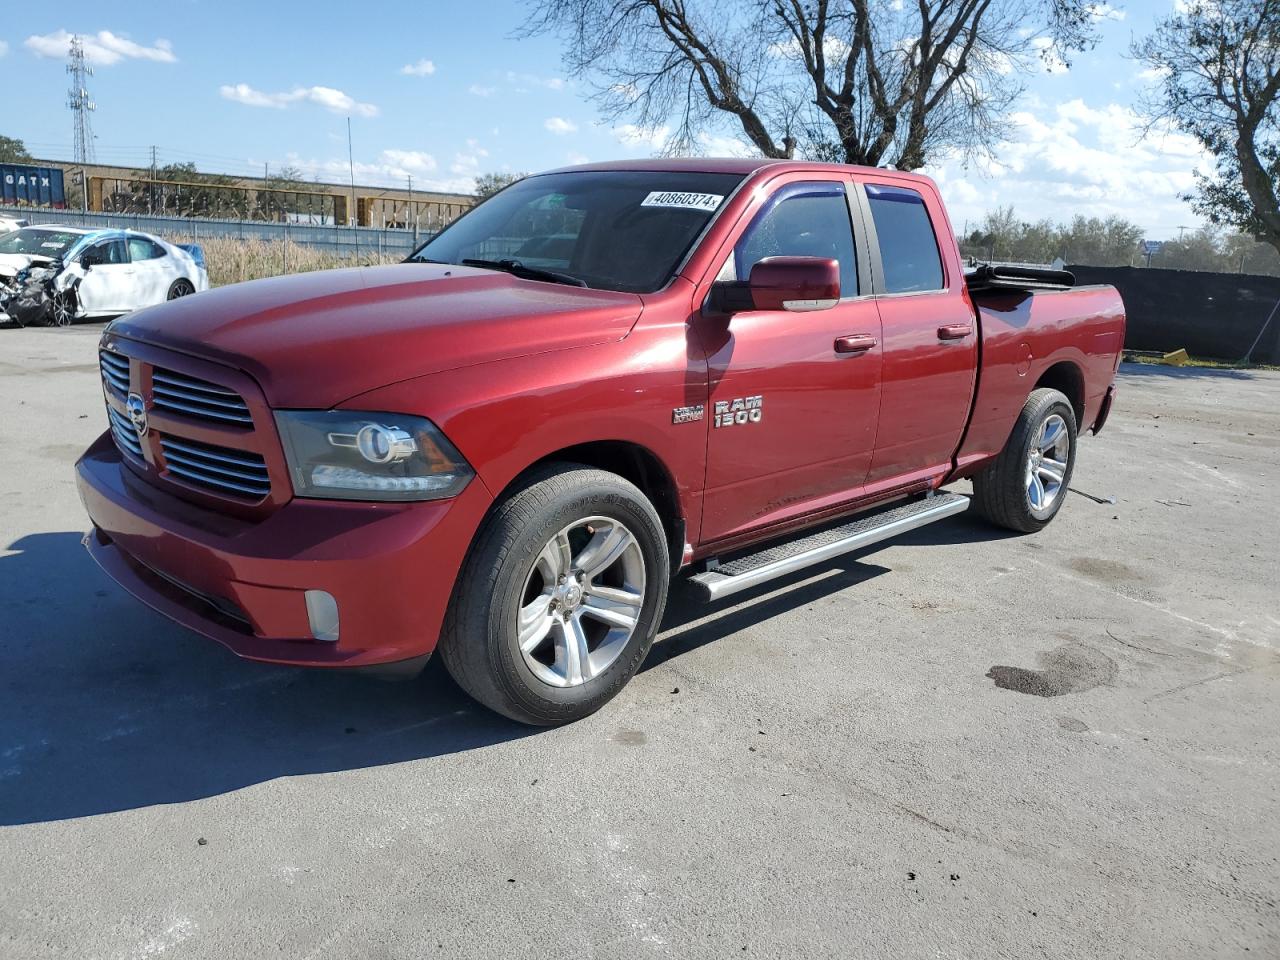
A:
52,245
682,201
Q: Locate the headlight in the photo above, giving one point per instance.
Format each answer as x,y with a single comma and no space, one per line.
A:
342,455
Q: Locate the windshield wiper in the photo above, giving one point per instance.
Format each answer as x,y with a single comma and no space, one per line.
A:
518,269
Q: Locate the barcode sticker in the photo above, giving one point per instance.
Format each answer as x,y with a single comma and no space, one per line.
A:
682,201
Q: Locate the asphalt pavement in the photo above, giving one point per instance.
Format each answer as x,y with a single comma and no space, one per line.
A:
964,744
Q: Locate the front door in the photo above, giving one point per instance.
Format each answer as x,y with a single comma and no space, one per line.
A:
792,411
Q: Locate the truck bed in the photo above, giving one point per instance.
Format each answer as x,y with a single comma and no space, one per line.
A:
1069,337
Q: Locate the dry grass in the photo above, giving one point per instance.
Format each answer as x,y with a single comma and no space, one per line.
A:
232,260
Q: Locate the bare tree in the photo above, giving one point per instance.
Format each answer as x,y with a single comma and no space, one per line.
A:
1219,68
858,81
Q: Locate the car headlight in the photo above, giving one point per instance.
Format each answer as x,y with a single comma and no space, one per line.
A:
344,455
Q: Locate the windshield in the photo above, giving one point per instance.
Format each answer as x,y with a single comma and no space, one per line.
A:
607,229
37,242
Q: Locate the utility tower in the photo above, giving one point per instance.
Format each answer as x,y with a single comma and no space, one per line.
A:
80,102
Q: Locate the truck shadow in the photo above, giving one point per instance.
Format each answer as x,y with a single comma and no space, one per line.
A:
106,706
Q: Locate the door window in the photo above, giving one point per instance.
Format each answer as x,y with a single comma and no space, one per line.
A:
109,252
908,245
801,220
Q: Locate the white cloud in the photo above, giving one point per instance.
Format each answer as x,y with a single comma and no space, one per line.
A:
1074,158
409,161
630,135
640,140
1050,60
390,169
1105,11
102,49
834,50
476,90
574,157
523,81
423,68
335,101
466,163
560,126
4,47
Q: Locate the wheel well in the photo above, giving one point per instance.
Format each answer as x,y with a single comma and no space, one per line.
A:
641,467
1066,378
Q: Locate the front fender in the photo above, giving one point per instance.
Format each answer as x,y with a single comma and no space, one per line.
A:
506,415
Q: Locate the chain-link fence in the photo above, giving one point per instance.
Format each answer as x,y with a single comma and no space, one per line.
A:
339,241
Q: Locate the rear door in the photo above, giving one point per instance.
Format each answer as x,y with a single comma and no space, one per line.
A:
929,332
108,285
153,271
792,416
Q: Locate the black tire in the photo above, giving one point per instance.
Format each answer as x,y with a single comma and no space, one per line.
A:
180,288
1000,492
479,642
62,311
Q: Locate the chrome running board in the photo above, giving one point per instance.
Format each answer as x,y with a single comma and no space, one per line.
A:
742,573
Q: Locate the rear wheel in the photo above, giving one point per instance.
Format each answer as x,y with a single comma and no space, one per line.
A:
560,597
180,288
1024,488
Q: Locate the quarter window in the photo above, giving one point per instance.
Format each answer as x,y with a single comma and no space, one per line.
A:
802,220
140,248
908,246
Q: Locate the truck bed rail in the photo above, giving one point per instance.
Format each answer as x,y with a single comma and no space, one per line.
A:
1005,276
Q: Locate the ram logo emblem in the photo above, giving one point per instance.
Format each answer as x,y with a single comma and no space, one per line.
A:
739,411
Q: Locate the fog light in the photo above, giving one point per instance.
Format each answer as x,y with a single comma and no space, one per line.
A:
322,613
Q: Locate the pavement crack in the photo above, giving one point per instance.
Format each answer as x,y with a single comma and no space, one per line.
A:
1196,683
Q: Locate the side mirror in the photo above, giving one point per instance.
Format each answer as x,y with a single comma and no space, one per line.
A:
90,259
796,284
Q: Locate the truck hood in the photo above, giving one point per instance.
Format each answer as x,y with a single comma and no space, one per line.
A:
316,339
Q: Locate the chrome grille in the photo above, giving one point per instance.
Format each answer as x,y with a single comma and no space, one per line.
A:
124,432
237,472
115,370
179,393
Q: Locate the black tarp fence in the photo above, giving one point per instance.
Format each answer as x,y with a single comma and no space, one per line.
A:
1212,315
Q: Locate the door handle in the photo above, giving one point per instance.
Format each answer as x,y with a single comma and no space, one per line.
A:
955,331
858,343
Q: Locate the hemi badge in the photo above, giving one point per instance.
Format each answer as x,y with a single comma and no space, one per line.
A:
688,414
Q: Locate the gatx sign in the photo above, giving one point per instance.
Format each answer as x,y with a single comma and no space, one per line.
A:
35,186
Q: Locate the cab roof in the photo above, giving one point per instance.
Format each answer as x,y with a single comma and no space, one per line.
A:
743,166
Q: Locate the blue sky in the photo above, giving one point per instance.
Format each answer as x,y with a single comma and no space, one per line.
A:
442,91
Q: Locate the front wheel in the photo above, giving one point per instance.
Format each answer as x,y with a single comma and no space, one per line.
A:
560,597
1024,488
63,309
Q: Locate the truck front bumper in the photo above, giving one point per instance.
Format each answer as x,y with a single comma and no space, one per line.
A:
260,587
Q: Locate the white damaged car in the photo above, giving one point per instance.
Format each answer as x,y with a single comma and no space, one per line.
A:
57,274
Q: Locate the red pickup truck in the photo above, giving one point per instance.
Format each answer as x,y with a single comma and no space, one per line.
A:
507,445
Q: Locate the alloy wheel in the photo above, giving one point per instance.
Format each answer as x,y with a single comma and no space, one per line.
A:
1047,462
581,601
